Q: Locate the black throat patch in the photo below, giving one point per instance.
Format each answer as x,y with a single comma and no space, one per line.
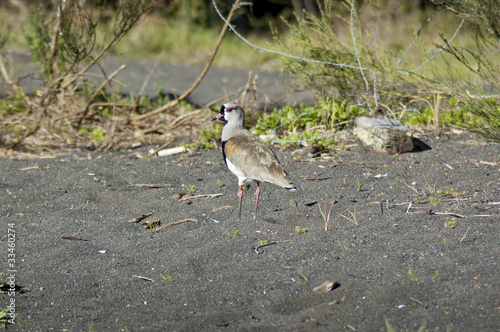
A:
224,151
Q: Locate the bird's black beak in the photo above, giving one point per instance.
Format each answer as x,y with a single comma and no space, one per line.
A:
220,115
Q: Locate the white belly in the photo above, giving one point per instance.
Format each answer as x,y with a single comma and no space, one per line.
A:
241,177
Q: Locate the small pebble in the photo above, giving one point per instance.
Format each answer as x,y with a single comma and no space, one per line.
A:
176,196
325,287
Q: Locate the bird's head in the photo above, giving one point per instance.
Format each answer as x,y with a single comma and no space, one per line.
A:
230,112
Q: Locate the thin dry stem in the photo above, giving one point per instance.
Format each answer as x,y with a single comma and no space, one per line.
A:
353,215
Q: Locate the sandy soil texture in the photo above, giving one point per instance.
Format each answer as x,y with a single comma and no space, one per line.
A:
412,240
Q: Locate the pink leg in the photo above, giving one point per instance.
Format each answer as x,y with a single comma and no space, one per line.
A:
240,195
257,193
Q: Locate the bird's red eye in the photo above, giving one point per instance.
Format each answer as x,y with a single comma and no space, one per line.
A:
229,109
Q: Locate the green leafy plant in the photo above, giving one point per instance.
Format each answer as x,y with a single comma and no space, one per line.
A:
166,278
459,116
306,124
390,328
14,105
436,276
5,285
302,273
98,135
486,111
207,138
388,325
412,275
192,190
452,192
236,233
434,200
450,222
261,243
300,230
6,318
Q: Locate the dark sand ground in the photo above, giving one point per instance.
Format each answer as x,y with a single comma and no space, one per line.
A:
387,246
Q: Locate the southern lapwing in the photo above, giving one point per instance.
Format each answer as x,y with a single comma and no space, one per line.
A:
247,156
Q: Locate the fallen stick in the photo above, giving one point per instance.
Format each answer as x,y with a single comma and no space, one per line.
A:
258,251
29,168
409,207
73,238
143,278
463,237
449,214
319,179
175,223
222,207
200,196
489,163
144,216
152,185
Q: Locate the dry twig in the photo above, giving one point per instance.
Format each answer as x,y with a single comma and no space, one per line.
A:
73,238
144,216
327,218
200,196
175,223
143,278
152,185
353,215
463,237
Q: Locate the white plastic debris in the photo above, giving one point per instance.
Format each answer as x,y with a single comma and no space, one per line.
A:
171,151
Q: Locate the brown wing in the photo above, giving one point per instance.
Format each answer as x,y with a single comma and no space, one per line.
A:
255,159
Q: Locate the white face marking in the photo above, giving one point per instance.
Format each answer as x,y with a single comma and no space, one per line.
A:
241,177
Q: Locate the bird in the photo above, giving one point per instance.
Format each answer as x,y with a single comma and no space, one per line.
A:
247,156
